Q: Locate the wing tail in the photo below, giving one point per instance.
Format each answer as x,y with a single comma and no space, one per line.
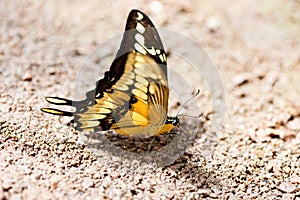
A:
58,101
54,111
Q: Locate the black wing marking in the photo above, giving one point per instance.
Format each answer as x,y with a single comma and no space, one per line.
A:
141,35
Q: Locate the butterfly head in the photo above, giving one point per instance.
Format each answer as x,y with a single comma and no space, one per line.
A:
173,120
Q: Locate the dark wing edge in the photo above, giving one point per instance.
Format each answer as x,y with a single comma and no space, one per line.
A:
81,106
139,24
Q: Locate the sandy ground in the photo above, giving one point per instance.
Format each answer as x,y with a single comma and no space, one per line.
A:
255,47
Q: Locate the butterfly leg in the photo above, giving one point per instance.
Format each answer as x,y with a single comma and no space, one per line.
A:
150,144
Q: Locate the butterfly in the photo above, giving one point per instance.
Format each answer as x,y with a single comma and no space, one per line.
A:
132,97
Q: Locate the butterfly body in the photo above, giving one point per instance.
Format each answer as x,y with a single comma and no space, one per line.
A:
132,97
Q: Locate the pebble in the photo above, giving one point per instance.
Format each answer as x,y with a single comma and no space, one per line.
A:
212,23
203,192
54,181
294,124
2,196
287,187
87,182
240,80
295,179
27,77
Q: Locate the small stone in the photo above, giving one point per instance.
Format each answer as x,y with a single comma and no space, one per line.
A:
114,174
27,77
259,153
279,119
264,189
7,184
294,124
54,181
259,134
287,187
203,192
52,71
76,52
295,179
72,140
29,143
280,133
87,182
240,80
288,196
97,175
2,121
275,166
2,196
294,110
286,170
231,196
213,24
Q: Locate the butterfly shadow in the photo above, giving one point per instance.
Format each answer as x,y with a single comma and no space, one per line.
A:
196,169
197,177
125,150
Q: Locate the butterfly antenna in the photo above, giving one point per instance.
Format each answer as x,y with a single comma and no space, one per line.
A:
198,116
187,101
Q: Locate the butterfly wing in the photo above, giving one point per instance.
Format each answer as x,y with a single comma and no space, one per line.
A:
141,36
132,98
146,112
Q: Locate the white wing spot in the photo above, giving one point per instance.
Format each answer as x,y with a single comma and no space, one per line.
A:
139,48
140,28
140,38
140,16
161,58
165,58
152,51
